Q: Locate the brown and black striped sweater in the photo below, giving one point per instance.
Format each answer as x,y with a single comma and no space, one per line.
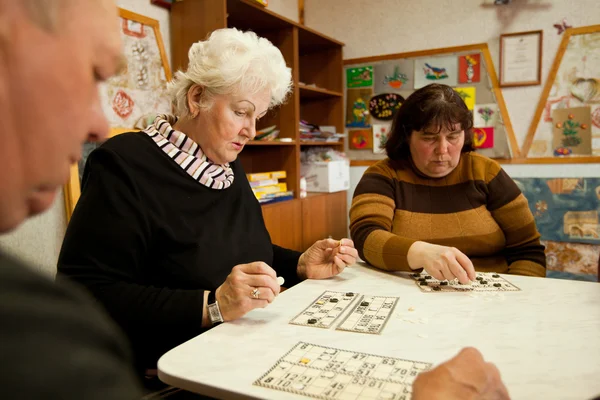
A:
477,208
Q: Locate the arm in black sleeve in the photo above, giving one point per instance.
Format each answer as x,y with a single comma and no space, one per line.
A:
285,263
107,248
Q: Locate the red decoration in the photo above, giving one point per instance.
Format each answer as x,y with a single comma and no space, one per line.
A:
123,104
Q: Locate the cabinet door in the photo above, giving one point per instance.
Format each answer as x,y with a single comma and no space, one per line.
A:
284,223
324,215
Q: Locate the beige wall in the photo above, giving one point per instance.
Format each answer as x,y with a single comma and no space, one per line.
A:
286,8
393,26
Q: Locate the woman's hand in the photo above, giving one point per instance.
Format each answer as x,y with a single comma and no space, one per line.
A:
247,287
441,262
326,258
466,377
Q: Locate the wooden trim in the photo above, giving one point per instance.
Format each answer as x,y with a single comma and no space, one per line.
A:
512,140
72,189
363,163
555,160
420,53
562,48
301,12
541,160
538,81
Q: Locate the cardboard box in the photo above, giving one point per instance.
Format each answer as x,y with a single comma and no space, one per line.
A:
327,176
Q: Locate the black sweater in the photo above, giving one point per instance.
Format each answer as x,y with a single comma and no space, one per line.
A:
147,239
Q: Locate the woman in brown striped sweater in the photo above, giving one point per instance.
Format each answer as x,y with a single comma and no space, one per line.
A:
434,204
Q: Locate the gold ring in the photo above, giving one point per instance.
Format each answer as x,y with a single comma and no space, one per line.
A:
255,293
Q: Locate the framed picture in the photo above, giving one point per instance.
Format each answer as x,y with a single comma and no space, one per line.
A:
162,3
521,59
128,98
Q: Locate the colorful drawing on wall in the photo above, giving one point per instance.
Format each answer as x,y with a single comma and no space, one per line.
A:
380,137
581,224
565,209
359,77
468,95
393,76
553,104
572,131
142,86
357,110
384,106
436,70
575,261
360,139
483,138
485,115
575,84
395,80
469,68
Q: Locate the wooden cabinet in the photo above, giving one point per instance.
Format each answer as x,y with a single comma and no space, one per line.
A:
284,223
317,73
324,215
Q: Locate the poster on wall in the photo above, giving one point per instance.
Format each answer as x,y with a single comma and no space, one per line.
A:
576,84
359,77
572,131
485,115
565,209
357,109
469,68
436,70
141,88
483,138
384,106
393,76
468,95
380,136
360,139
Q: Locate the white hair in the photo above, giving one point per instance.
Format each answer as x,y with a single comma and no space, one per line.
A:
230,62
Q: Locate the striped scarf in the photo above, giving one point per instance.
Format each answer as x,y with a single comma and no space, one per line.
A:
187,154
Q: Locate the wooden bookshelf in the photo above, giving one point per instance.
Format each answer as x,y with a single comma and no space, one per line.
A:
317,71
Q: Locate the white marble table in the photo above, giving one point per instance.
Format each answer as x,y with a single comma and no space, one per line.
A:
544,339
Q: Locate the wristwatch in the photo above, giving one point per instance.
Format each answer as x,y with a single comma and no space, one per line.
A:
214,312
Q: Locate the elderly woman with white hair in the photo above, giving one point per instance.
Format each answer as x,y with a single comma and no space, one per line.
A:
167,233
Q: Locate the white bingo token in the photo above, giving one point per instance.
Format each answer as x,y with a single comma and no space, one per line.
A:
280,280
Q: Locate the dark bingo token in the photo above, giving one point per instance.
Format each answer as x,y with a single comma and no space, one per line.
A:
483,282
364,303
495,276
349,294
443,283
497,284
312,321
423,283
437,288
334,300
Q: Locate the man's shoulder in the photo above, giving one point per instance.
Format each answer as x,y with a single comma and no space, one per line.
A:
55,342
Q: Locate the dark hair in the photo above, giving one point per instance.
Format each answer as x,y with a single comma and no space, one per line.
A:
435,106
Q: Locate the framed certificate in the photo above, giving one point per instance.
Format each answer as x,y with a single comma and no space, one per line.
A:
521,59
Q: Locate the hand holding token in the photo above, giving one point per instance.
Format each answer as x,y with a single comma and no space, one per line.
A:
326,258
441,262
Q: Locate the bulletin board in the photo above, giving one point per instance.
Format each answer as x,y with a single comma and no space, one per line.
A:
375,88
566,124
128,97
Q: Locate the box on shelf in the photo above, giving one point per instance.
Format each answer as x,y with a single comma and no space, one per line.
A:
327,176
263,176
